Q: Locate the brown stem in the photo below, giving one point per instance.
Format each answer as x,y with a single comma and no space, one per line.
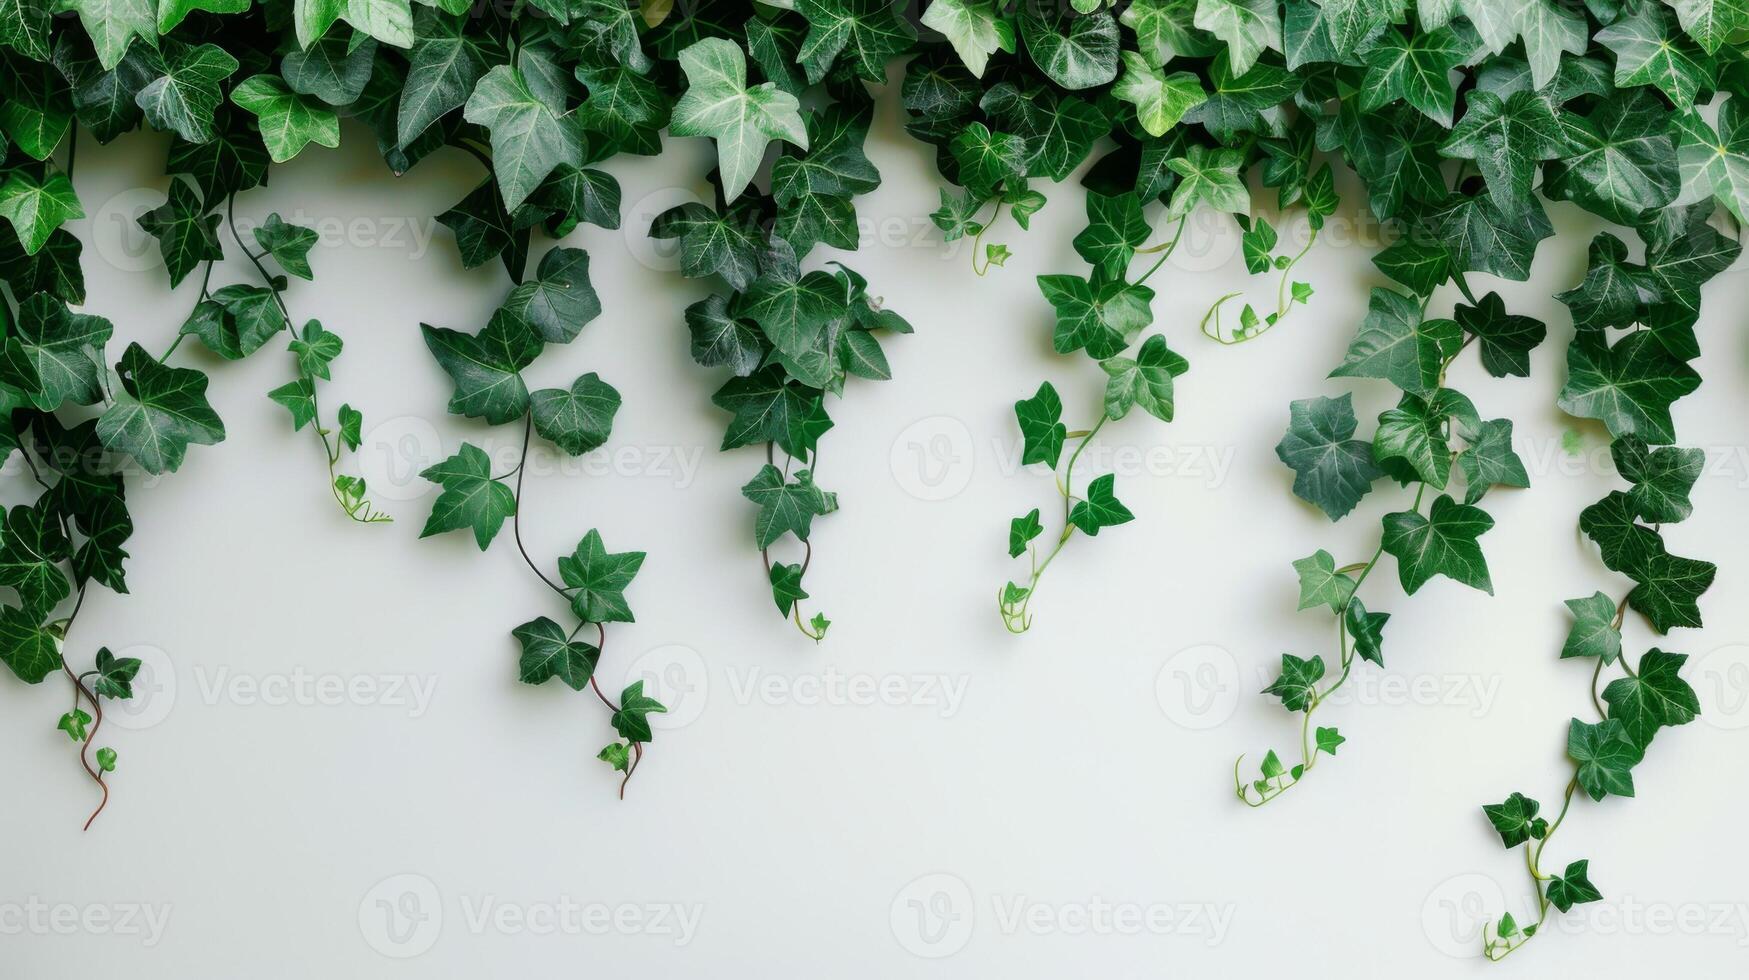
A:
85,749
637,747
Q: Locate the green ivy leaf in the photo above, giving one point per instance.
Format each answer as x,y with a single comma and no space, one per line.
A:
485,367
1629,386
861,34
1442,543
185,97
1101,316
1394,344
1075,50
314,349
767,408
1506,339
785,506
29,650
579,419
599,579
1249,27
1593,633
1416,68
988,161
289,245
65,348
1605,757
471,498
1414,432
973,27
1367,631
1506,138
1041,426
36,205
1653,697
1021,531
530,135
115,675
1650,51
616,754
1332,469
547,653
1297,685
113,24
1100,508
299,398
1489,461
1572,887
445,63
1208,177
1144,382
1161,100
786,586
159,413
1321,584
187,235
1515,820
31,551
631,719
74,724
559,300
1668,588
718,103
1662,478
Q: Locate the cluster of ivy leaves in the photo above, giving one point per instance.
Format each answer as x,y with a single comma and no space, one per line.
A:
788,336
1016,97
1627,364
538,94
1462,119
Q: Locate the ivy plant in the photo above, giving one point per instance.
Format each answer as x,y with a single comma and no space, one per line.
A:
1627,364
1432,441
1461,121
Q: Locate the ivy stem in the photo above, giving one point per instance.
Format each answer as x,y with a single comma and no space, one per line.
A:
637,747
1017,620
978,239
1533,856
1165,251
1282,305
516,515
360,511
206,279
1345,647
561,592
80,690
807,547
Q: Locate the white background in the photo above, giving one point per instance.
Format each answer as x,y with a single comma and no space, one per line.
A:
801,827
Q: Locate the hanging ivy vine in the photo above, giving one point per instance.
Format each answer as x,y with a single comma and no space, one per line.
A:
1650,324
1460,120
